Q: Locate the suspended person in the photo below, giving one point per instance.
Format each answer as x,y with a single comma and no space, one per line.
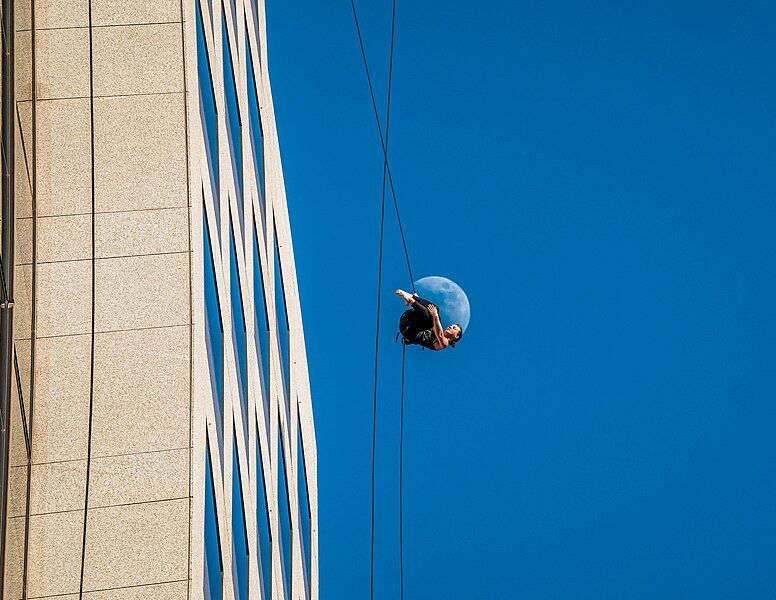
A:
421,325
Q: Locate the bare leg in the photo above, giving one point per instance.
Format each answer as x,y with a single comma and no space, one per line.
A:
408,299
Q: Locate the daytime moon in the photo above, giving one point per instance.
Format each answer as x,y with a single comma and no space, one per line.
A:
448,296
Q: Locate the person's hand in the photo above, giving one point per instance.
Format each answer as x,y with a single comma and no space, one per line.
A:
433,310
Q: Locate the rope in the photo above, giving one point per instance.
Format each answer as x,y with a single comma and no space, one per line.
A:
383,140
379,293
401,479
387,177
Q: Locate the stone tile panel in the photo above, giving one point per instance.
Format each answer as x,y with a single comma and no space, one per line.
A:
58,487
130,12
140,232
136,544
137,478
64,158
142,291
60,429
14,558
138,59
51,14
55,553
141,391
62,64
67,237
64,298
140,152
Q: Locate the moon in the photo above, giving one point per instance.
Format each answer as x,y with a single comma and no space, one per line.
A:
448,296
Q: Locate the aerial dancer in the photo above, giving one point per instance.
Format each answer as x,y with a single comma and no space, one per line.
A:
420,324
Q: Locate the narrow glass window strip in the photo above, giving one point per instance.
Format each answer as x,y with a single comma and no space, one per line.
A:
233,7
257,132
262,523
208,112
304,514
239,532
257,28
213,564
214,327
233,120
282,322
261,325
238,325
285,515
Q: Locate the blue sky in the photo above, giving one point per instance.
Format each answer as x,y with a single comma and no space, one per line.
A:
601,181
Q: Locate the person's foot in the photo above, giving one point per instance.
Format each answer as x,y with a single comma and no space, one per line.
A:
407,298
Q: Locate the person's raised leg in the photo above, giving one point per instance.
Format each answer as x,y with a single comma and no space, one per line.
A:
409,300
422,301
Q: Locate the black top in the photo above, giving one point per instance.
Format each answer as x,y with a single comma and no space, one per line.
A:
426,338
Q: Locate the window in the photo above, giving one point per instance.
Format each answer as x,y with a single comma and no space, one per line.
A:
285,515
304,513
207,110
213,565
282,319
233,120
238,325
261,326
239,531
214,329
256,11
257,132
262,523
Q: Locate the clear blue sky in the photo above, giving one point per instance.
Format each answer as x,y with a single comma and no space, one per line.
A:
606,427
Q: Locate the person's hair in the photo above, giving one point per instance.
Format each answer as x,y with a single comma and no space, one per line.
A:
460,335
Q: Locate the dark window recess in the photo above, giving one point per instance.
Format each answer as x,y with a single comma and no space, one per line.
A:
257,134
214,328
261,325
208,111
262,521
283,333
304,513
238,325
239,532
213,564
233,122
285,515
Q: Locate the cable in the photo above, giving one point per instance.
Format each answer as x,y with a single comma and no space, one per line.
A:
383,141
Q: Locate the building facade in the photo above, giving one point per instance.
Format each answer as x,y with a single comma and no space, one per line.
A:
160,432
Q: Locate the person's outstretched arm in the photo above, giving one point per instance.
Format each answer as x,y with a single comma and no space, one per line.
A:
438,331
